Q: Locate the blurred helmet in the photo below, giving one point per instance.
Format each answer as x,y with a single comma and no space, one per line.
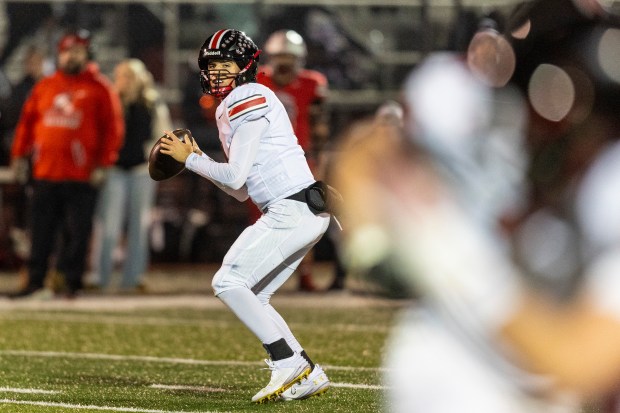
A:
286,42
228,44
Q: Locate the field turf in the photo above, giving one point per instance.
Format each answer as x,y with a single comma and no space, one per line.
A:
165,354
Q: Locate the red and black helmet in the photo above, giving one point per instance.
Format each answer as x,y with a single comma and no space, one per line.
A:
228,44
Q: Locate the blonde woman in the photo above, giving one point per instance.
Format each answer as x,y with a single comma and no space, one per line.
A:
128,194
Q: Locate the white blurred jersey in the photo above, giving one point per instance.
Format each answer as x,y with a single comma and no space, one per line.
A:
436,363
280,168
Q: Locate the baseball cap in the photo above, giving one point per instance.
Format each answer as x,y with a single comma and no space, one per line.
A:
78,38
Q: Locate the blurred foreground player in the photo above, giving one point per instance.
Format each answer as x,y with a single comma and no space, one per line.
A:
524,317
266,164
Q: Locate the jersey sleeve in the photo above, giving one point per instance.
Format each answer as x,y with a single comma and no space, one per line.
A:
321,86
248,104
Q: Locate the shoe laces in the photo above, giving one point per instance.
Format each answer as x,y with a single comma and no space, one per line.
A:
270,365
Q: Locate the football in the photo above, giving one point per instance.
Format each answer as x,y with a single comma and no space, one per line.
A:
162,166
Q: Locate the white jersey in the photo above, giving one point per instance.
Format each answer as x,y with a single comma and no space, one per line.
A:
597,206
432,355
279,168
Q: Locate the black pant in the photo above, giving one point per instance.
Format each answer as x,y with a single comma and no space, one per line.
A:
62,214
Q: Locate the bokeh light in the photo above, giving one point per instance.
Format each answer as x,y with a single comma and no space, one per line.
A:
522,31
491,58
551,92
608,54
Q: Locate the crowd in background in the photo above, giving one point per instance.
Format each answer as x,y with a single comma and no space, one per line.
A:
190,222
181,223
135,221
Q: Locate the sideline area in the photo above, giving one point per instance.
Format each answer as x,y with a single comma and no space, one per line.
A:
174,285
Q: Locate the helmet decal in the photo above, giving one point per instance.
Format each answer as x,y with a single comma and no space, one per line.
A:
216,39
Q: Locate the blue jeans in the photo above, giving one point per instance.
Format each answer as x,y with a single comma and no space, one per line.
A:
124,204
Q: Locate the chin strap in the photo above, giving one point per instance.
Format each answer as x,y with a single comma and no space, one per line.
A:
250,63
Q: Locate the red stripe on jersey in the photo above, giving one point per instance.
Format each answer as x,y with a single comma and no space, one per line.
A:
246,105
216,39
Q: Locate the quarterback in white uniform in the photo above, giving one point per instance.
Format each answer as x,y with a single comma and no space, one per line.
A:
266,164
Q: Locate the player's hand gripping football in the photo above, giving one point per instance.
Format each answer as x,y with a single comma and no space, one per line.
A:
177,148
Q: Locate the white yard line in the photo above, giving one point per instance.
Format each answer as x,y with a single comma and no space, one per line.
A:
163,321
92,407
215,389
190,388
156,386
119,357
109,319
169,360
27,391
359,386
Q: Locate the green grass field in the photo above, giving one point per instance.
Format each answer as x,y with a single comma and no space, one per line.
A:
187,354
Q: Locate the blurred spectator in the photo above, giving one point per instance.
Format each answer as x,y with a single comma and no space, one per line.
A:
199,110
14,197
72,127
303,93
128,193
34,68
515,318
23,20
331,48
5,104
198,203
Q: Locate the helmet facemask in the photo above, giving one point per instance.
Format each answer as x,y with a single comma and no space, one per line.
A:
220,82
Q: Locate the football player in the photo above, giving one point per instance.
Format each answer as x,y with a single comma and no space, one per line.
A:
521,290
266,164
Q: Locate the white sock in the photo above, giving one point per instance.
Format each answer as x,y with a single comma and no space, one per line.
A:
252,313
284,329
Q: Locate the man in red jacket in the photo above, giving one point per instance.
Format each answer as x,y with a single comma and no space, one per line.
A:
71,127
302,92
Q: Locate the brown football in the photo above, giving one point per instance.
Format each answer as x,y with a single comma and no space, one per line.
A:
162,166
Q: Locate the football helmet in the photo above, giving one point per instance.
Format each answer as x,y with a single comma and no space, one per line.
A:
286,42
227,44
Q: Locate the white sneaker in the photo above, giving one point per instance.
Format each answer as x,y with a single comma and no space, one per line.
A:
284,373
315,384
